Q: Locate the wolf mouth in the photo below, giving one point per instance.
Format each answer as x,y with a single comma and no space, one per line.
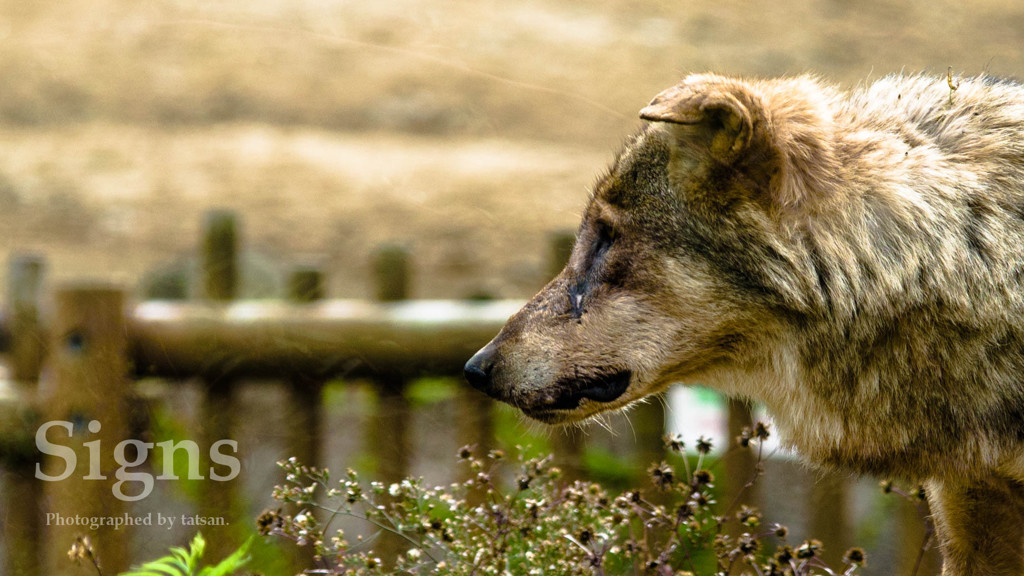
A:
569,392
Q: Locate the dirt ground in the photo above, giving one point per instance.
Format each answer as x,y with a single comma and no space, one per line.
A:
467,132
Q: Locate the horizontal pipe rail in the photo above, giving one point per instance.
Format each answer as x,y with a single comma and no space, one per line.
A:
332,338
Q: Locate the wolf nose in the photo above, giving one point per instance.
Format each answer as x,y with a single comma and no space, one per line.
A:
478,369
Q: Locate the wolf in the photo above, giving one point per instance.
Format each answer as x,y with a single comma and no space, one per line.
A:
853,260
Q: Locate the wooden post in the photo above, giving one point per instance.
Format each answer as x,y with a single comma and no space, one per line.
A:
910,532
648,421
389,437
474,415
86,388
391,274
739,466
305,400
219,256
568,444
391,421
391,444
475,421
21,532
305,403
306,284
23,493
828,520
25,279
219,284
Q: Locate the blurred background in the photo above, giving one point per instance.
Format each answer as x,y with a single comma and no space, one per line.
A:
460,136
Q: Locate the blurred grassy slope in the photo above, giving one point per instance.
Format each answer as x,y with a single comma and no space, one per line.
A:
515,69
464,129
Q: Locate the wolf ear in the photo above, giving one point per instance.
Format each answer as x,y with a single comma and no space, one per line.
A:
717,104
785,128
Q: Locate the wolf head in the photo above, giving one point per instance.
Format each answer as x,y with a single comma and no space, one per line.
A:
678,271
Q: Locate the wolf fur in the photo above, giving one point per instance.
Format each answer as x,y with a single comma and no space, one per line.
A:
853,261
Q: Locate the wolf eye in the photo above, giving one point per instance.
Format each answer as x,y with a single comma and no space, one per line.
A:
605,238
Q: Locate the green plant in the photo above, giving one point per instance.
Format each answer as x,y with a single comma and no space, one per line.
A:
542,524
181,562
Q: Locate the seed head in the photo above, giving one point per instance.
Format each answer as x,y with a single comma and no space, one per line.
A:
855,556
674,442
784,554
662,475
268,521
749,517
809,549
703,445
81,549
703,477
743,440
748,544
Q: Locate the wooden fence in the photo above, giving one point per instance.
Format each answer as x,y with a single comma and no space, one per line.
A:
79,364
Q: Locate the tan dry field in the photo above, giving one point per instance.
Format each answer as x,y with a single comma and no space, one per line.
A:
467,131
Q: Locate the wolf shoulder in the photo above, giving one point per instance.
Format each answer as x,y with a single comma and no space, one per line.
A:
976,119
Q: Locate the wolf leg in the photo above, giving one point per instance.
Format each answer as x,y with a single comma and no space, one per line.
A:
980,525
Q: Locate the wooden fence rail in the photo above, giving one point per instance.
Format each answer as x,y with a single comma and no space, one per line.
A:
331,338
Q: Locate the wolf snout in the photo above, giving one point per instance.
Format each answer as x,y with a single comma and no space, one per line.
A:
479,368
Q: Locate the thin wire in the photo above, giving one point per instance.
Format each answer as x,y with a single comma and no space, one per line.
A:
445,63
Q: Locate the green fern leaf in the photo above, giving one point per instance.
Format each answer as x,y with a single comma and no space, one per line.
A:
198,546
179,563
183,562
232,563
166,566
